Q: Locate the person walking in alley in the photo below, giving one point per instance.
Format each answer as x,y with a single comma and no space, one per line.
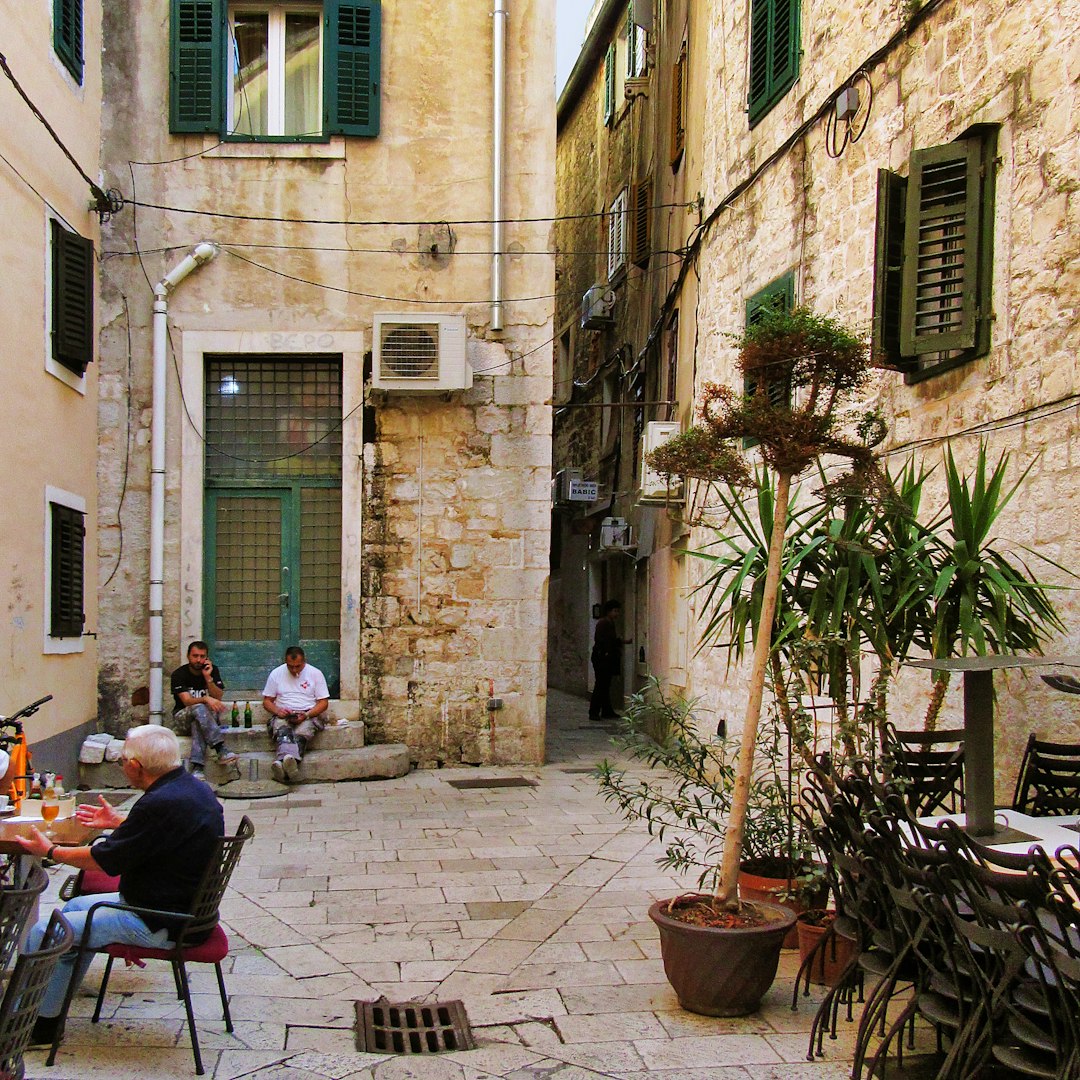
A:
606,661
197,691
296,697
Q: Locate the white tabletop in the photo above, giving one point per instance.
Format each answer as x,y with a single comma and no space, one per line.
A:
1050,832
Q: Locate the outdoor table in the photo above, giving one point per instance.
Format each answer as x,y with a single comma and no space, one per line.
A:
66,832
978,672
1050,833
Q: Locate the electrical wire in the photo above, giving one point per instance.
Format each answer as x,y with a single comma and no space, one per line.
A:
127,448
378,223
100,197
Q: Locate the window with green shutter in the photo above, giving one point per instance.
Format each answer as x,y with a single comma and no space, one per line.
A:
66,580
780,295
267,71
609,85
774,53
68,35
72,308
933,259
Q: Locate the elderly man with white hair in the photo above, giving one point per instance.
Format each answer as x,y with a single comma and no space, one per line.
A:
159,851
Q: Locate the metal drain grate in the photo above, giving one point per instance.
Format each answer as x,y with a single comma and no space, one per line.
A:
412,1027
492,782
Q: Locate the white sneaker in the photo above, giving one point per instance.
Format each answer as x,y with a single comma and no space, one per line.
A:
291,767
277,771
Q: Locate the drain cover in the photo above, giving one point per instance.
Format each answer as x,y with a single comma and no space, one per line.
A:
492,782
412,1027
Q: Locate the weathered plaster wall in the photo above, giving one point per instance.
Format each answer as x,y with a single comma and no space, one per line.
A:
481,593
1013,64
49,417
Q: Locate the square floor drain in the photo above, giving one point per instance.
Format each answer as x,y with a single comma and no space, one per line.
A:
492,782
412,1027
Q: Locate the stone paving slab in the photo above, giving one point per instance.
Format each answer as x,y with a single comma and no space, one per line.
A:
528,904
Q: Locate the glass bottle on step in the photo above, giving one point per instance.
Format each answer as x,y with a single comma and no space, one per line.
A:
234,717
247,714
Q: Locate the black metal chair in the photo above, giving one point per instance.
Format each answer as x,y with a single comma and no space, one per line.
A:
16,904
25,991
199,939
927,768
1048,784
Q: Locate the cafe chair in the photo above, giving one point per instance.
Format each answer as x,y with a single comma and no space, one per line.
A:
25,991
927,767
1048,784
16,906
199,940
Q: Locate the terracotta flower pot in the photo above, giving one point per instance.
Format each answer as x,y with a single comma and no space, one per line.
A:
717,971
831,960
774,890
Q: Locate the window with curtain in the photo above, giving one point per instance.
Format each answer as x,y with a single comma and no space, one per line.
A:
265,71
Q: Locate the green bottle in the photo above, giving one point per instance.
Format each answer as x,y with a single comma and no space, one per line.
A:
247,714
234,717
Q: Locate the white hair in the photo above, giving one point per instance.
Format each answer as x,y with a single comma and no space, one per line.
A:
155,747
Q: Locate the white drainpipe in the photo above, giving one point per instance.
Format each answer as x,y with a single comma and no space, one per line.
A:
500,17
200,254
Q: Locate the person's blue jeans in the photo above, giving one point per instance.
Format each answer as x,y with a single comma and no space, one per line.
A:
107,926
205,731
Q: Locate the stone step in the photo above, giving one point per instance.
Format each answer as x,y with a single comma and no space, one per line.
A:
340,736
336,753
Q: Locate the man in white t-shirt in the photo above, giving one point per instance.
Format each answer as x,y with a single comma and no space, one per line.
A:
296,698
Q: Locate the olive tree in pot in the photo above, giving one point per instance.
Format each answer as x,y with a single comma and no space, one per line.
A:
801,369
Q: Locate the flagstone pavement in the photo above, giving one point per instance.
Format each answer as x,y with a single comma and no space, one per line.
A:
527,903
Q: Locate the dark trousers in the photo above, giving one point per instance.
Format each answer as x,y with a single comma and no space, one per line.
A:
600,702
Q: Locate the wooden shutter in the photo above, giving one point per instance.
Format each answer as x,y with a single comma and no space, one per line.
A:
353,43
678,109
68,35
72,298
640,208
943,227
774,53
197,35
609,85
888,270
66,582
778,294
616,223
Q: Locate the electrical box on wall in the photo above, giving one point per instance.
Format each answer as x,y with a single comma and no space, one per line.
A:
418,353
655,487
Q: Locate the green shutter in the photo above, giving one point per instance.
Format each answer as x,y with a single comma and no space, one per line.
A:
197,35
774,53
888,270
68,35
609,85
352,44
947,245
66,583
777,294
72,298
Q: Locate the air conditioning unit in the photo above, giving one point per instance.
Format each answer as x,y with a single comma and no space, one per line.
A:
655,487
597,306
615,535
418,353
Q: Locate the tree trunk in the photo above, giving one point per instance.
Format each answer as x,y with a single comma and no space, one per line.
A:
727,895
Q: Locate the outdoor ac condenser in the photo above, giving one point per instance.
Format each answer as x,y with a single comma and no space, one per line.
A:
419,353
597,306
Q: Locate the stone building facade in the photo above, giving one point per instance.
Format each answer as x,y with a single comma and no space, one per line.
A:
820,133
376,488
50,252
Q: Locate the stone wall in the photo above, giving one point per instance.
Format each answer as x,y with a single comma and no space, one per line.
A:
1011,64
446,497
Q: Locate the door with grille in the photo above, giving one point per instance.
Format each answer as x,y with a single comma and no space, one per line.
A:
272,515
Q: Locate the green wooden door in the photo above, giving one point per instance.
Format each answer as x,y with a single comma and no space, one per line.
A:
272,516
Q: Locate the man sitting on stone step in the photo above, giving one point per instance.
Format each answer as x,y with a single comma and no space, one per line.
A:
296,697
197,689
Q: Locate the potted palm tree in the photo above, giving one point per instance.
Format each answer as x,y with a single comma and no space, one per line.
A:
799,369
